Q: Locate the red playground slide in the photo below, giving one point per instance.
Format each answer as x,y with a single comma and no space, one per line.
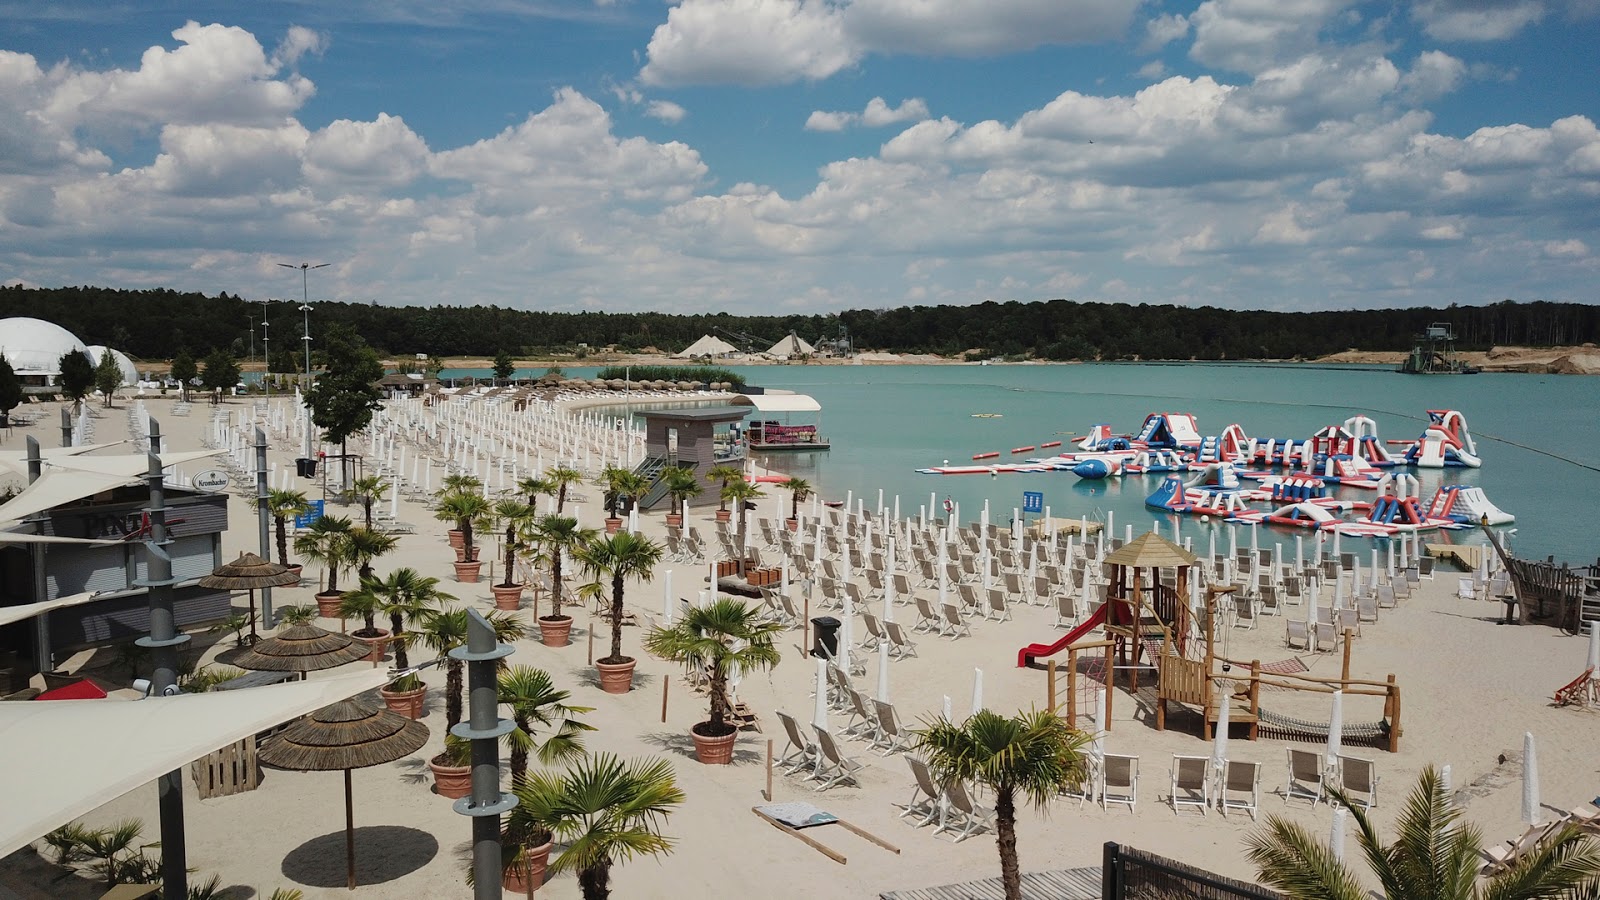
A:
1029,653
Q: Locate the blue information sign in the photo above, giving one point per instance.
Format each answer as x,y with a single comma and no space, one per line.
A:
310,516
1033,501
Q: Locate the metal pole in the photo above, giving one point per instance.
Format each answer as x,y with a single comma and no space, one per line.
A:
484,728
43,655
66,427
266,355
163,642
263,518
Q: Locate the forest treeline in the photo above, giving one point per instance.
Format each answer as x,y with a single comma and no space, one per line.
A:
155,324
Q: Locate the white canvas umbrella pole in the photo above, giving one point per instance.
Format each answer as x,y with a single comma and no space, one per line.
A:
946,710
1335,730
1336,838
883,670
666,597
977,690
1219,738
819,715
1530,780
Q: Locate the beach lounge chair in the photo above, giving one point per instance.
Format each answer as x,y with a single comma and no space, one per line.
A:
1359,776
955,626
874,631
927,619
833,767
891,734
927,798
1241,787
1502,856
1384,598
903,591
969,597
1414,574
1244,612
900,645
1425,567
1466,589
1268,596
1367,607
1119,781
1042,589
1295,635
1293,590
1348,619
800,752
969,817
997,606
863,722
1066,611
1191,782
1327,636
787,603
1305,777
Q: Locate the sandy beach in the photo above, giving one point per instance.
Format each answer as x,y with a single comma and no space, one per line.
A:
1470,687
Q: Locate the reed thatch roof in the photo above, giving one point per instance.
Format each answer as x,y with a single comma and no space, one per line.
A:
349,734
247,573
300,648
1150,551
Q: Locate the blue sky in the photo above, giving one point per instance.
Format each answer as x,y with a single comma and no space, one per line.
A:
807,155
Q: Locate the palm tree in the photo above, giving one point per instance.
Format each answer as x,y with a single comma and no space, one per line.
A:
560,477
1435,856
682,486
1036,753
799,489
619,557
531,693
459,484
607,810
630,486
445,630
324,543
559,536
405,595
724,475
365,604
515,515
533,486
363,545
609,479
282,504
466,509
367,490
742,492
705,638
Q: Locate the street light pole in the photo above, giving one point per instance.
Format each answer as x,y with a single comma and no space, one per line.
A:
305,308
266,355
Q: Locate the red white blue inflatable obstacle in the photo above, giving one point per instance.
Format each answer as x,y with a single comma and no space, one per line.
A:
1445,442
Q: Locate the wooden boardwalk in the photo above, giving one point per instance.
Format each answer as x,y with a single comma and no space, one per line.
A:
1064,884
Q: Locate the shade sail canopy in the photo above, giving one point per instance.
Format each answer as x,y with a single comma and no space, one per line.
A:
17,460
11,537
1150,550
69,480
57,763
775,403
9,614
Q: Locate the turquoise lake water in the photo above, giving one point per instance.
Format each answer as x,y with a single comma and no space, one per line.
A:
887,421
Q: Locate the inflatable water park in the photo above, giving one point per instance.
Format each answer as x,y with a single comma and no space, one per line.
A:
1285,481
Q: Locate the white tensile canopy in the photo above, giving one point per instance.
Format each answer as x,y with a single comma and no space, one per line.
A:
708,345
778,401
56,763
17,460
9,614
791,346
66,481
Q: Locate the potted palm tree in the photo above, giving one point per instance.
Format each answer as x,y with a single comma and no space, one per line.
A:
282,504
606,810
546,727
610,479
799,490
558,537
724,633
618,557
742,492
457,484
1035,753
405,595
515,516
532,486
363,545
682,486
324,542
364,603
724,475
366,490
443,631
560,477
467,509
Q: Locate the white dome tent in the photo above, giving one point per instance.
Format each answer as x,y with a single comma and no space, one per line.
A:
34,348
130,375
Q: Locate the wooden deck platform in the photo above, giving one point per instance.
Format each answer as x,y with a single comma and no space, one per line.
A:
1469,558
1063,884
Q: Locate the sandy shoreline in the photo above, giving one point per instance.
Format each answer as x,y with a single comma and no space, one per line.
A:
1471,688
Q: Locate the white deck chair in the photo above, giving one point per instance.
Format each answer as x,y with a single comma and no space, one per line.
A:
1066,610
1191,782
1465,589
1244,612
1119,781
899,644
891,735
833,767
927,798
997,606
874,632
1358,776
863,722
970,817
1327,636
1305,777
1241,787
1295,634
927,619
1367,607
803,752
955,625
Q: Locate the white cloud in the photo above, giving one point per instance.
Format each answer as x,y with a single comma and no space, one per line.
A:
666,111
1163,30
1476,20
877,114
1571,247
383,151
965,28
1154,70
298,42
1434,75
1252,35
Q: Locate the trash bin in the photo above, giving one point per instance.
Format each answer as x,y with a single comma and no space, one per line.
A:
826,642
305,467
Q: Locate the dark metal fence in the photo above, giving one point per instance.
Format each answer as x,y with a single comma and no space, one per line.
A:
1132,874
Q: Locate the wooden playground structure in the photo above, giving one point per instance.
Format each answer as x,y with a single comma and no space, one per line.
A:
1150,618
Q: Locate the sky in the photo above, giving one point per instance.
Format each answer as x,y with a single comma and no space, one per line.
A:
806,156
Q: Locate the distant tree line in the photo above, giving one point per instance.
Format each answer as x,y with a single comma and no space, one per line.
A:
156,324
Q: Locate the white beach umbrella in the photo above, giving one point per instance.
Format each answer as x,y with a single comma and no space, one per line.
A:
1530,781
1338,557
1336,838
847,618
1299,552
1355,579
883,670
1254,531
1336,729
819,716
1212,552
944,585
1594,646
977,690
1338,587
1219,738
735,672
888,586
946,710
1233,541
1098,746
666,597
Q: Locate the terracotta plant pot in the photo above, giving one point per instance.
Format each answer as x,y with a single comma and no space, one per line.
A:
296,569
453,782
555,631
518,879
375,644
613,526
507,599
467,572
713,751
792,524
616,678
328,604
674,520
405,703
724,515
457,539
461,554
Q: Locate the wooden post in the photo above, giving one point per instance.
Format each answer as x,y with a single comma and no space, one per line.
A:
1394,715
1072,687
591,646
1050,679
1111,687
1344,671
665,683
1255,697
769,770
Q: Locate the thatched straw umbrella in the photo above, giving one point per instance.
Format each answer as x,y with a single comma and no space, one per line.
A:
247,573
345,735
300,648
